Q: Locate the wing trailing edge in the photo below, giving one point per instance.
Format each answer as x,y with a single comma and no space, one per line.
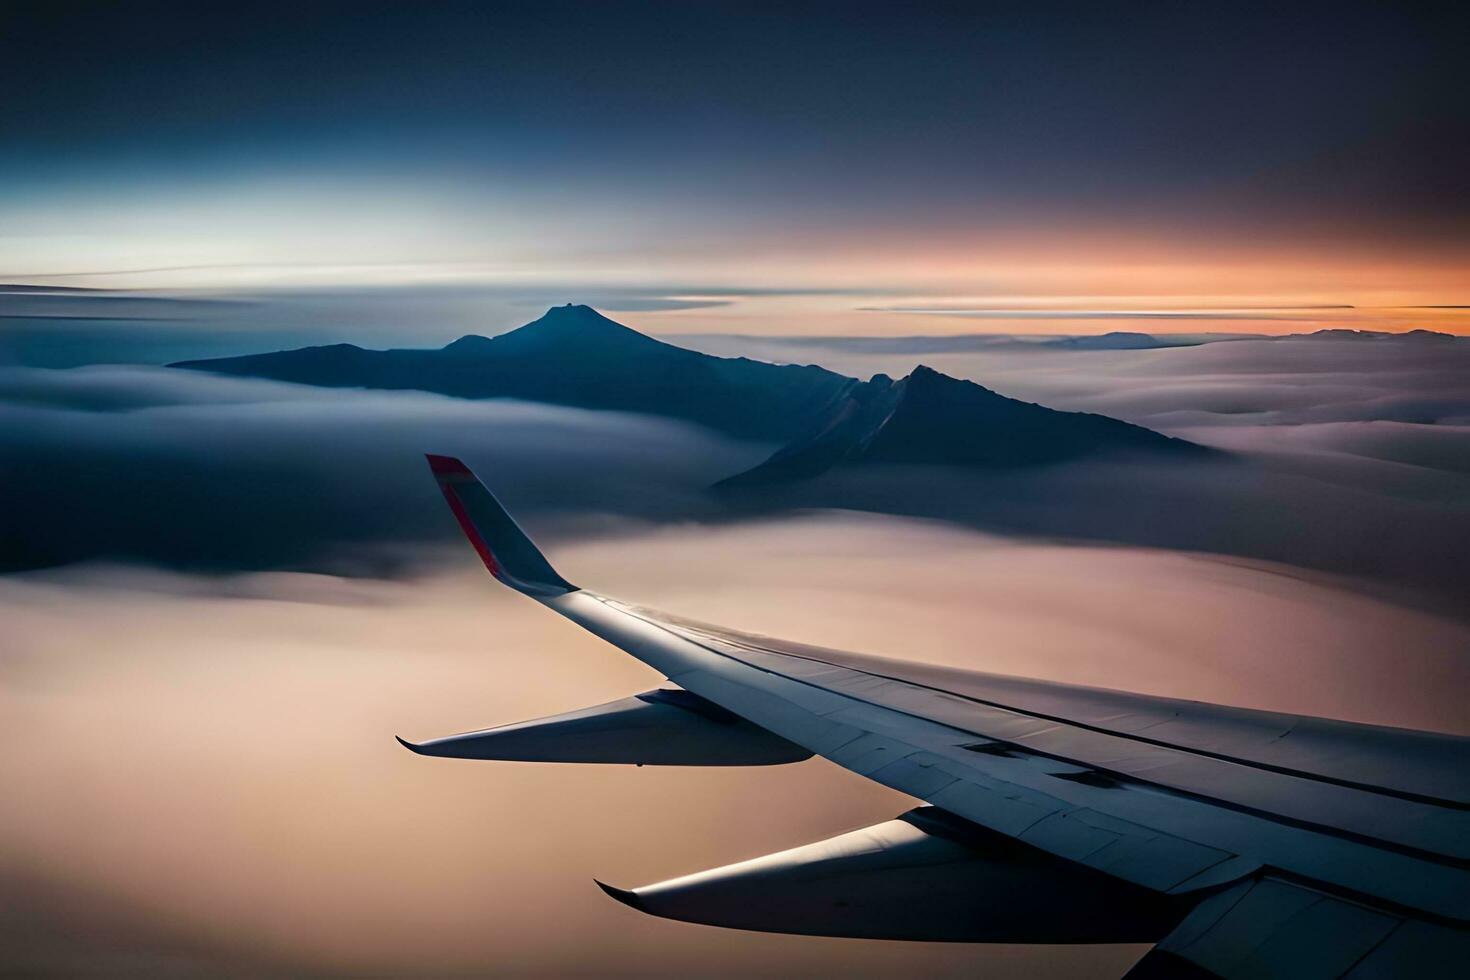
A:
1270,926
926,875
657,728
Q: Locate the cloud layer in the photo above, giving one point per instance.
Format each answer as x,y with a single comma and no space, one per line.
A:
1349,454
1349,458
210,473
202,765
202,777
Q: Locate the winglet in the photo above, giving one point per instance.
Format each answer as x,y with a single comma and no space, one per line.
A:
505,549
447,464
628,898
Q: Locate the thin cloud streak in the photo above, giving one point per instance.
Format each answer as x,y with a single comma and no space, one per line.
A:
1235,313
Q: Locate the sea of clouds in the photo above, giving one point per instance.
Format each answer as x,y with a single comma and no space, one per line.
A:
223,597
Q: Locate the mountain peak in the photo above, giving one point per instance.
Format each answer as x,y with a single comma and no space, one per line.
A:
930,418
580,315
469,342
923,374
565,329
1433,336
925,379
573,311
573,326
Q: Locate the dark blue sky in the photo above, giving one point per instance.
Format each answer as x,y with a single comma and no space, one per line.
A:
546,132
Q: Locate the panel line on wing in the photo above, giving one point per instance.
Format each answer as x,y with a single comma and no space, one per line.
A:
1378,790
1314,826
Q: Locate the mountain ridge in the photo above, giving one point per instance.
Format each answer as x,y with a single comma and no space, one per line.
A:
929,417
575,356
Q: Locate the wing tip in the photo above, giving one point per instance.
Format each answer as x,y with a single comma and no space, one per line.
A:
413,747
446,465
628,898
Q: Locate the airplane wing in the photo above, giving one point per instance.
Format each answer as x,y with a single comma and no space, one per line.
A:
1243,843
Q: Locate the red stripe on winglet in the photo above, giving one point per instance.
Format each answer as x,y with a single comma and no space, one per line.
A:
446,464
468,527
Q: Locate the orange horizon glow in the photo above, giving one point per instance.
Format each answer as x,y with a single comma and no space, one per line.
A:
875,285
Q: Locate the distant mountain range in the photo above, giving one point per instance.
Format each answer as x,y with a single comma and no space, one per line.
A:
1339,333
575,356
1120,340
1116,340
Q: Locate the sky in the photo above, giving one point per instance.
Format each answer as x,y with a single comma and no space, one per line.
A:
223,596
1045,158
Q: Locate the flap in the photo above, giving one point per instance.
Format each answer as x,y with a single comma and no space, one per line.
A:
927,875
1269,927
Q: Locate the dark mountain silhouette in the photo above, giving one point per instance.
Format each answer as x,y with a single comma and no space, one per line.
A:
931,418
1419,335
1119,340
574,356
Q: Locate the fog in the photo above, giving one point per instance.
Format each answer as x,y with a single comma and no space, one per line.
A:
1404,538
1346,457
1228,383
1349,456
201,775
225,596
197,471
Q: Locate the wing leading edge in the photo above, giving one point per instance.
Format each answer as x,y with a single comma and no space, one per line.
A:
1182,801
